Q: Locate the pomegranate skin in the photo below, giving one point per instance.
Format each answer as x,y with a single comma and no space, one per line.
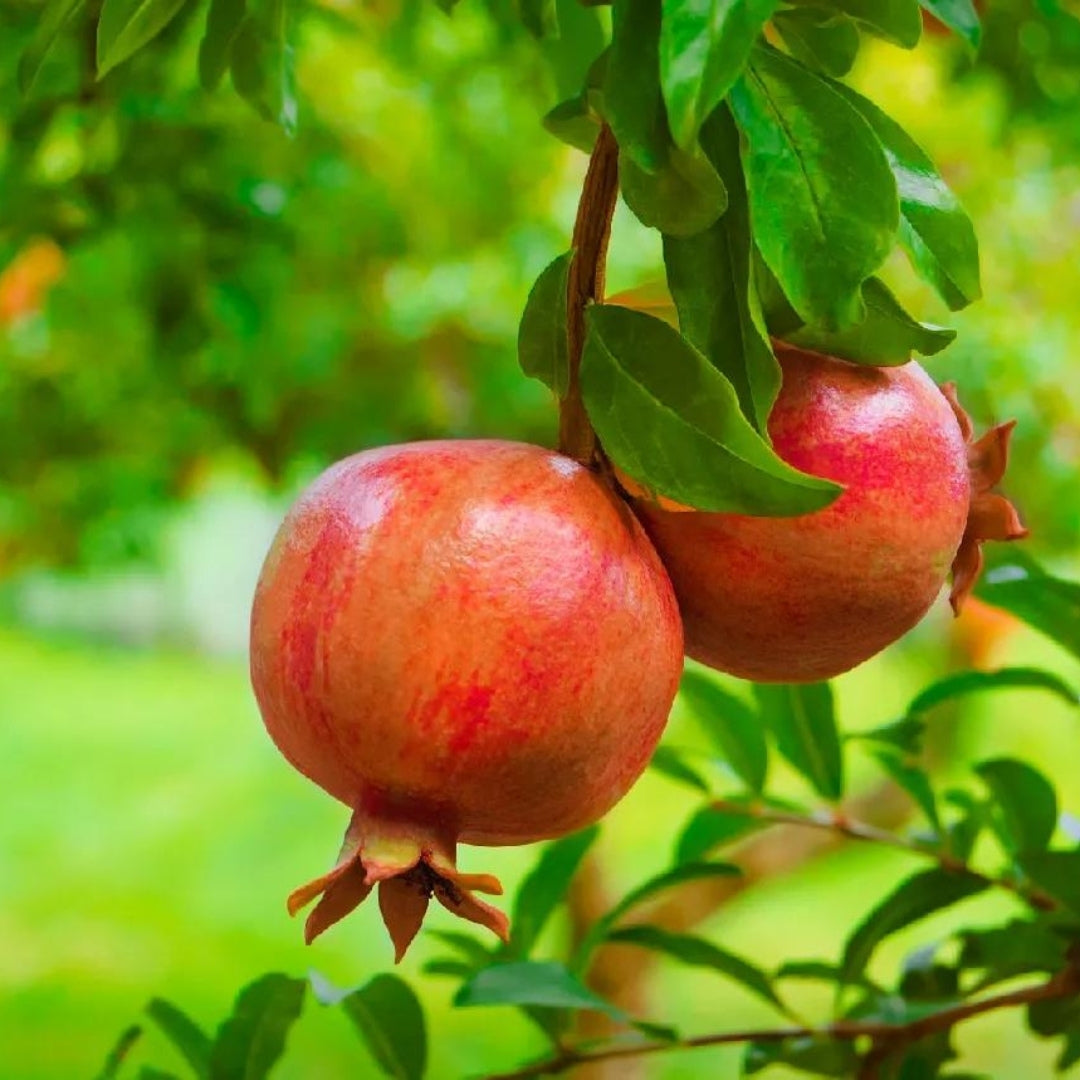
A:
462,641
806,598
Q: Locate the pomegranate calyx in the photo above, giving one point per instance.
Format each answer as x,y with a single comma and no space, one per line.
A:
990,515
408,871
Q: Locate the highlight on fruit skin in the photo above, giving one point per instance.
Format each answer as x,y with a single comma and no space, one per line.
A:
468,641
806,598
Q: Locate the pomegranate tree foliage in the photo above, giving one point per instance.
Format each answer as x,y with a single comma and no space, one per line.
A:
779,192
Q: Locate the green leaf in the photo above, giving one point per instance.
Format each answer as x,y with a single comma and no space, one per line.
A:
1026,801
449,967
704,46
708,829
223,23
934,230
822,39
532,982
680,198
960,16
974,682
821,234
1054,1016
544,888
1017,583
895,21
262,63
905,735
887,336
735,728
697,952
575,121
914,781
126,26
803,722
1020,947
465,945
710,278
962,832
669,762
56,19
119,1052
250,1041
390,1019
914,899
820,1055
148,1072
542,346
677,426
190,1039
540,17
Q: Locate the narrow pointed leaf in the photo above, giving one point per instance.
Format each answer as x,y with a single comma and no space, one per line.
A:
676,427
914,781
119,1052
905,735
189,1039
803,722
250,1042
707,829
975,682
710,278
223,23
545,984
960,16
542,346
540,18
58,18
914,899
1026,801
669,762
817,1055
125,26
736,729
820,38
390,1019
895,21
934,229
465,945
704,45
262,63
820,234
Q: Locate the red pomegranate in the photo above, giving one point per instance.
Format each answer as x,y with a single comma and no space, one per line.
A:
806,598
462,641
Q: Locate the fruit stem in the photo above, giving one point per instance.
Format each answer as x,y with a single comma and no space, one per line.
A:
592,229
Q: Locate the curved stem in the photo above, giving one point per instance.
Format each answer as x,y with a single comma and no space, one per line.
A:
592,228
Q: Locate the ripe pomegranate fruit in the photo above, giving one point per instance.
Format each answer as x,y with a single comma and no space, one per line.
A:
462,641
806,598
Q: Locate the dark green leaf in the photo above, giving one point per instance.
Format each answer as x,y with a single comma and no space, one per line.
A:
803,723
262,63
680,197
1026,801
471,950
450,968
540,17
126,26
708,829
1018,948
1051,605
820,38
669,762
780,317
819,1055
251,1040
390,1020
118,1054
532,982
574,121
190,1039
56,20
704,46
905,735
964,830
821,234
148,1072
1070,1052
542,346
709,276
896,21
959,16
1055,872
544,888
1054,1017
697,952
821,971
886,336
677,427
223,23
936,233
735,728
914,781
918,896
972,682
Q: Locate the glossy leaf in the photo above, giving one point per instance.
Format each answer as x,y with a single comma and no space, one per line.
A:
544,888
975,682
119,1052
680,197
887,335
803,722
821,234
542,346
708,829
249,1043
125,26
704,45
914,899
896,21
669,762
697,952
223,24
820,38
390,1019
1026,802
262,63
540,17
189,1039
960,16
710,278
676,427
735,728
574,121
56,20
934,229
532,982
914,781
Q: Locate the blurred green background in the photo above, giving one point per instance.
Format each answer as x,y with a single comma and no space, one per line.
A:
197,313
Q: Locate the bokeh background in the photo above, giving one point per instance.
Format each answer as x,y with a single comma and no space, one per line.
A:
198,313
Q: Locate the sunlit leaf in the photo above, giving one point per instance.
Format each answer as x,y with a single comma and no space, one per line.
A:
803,722
189,1039
709,828
974,682
914,781
896,21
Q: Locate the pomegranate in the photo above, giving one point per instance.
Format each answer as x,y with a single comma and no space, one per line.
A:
461,641
806,598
